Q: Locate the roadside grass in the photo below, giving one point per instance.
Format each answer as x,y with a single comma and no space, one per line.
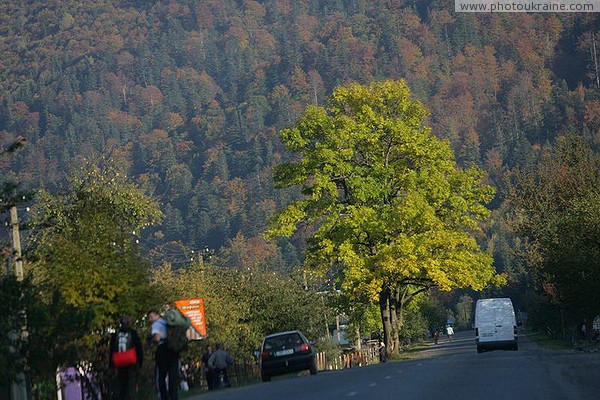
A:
413,351
545,341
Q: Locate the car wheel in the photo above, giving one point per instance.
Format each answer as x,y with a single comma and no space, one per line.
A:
313,368
265,378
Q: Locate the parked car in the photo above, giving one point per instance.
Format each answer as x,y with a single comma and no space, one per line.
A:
286,352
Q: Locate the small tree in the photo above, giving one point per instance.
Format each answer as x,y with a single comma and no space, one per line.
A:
464,311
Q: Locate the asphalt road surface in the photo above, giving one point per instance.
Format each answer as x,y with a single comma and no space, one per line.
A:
445,371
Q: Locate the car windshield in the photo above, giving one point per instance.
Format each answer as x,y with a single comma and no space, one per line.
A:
283,341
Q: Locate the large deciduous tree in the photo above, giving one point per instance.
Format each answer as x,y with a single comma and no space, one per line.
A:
556,209
394,214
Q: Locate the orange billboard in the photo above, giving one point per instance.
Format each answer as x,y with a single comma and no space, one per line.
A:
194,310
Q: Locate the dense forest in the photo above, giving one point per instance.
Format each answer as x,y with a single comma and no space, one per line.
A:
187,96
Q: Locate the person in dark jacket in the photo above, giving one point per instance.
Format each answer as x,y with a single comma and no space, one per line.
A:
208,372
382,352
126,338
218,362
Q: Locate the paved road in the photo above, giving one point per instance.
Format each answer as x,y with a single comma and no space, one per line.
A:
446,371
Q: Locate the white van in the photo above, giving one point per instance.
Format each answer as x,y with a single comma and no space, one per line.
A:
495,324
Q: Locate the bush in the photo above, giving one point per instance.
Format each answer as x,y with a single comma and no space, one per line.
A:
332,350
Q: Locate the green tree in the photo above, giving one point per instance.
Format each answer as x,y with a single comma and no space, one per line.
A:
556,208
464,311
13,293
87,266
394,213
11,357
433,311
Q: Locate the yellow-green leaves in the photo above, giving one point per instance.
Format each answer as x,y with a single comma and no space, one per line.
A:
392,206
85,250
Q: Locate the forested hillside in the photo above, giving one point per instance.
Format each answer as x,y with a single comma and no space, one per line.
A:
187,96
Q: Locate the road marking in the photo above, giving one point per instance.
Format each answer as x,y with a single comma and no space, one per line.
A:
351,394
373,384
387,377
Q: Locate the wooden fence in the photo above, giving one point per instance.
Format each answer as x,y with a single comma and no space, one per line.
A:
358,358
246,372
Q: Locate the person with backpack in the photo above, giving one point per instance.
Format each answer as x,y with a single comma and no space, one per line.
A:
126,357
166,358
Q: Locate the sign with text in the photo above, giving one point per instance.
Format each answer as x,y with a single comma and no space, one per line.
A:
194,310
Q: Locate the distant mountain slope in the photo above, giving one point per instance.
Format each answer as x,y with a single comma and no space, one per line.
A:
188,96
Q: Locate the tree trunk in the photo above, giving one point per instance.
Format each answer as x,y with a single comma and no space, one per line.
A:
386,319
398,299
394,312
401,300
387,307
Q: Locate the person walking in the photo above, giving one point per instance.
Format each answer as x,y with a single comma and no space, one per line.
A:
218,362
449,332
206,370
167,361
435,335
382,352
126,356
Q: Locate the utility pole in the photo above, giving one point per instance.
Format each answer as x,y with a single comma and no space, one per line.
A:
16,239
18,389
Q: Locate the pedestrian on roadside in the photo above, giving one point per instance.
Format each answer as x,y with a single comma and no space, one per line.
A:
382,352
435,335
126,356
450,332
206,370
167,360
218,362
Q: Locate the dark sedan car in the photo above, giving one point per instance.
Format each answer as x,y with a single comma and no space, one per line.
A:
286,352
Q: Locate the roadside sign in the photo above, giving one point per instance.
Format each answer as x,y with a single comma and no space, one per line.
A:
194,310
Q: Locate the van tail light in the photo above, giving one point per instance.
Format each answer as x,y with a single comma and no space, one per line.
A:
303,348
476,331
264,355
